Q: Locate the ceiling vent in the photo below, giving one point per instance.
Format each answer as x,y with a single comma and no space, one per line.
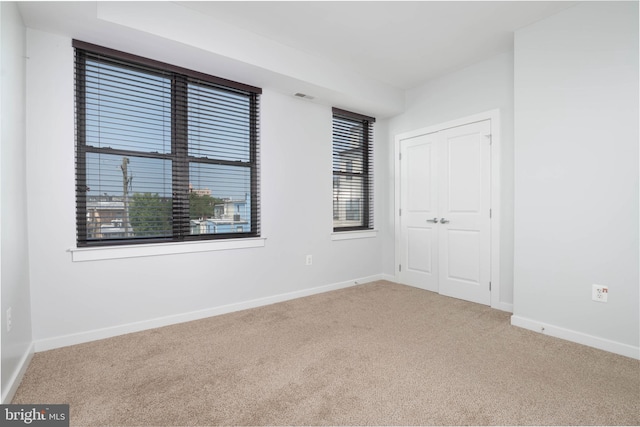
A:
303,95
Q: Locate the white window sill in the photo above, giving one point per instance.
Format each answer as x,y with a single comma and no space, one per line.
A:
154,249
350,235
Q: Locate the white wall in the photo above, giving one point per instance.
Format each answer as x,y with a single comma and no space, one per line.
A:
384,198
14,278
576,175
484,86
77,301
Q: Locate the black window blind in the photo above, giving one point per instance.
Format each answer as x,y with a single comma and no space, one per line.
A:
352,171
163,153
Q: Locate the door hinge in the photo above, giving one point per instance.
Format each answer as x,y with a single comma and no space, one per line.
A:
490,139
489,213
399,212
489,285
399,156
399,267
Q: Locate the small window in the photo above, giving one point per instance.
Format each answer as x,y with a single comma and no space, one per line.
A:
352,171
163,153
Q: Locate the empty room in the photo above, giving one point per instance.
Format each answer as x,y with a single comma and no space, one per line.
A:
319,213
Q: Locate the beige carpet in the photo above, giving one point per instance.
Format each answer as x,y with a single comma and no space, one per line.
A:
374,354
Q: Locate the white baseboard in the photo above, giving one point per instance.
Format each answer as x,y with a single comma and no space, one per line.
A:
577,337
98,334
18,374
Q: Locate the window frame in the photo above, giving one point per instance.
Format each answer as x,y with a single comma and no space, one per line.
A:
366,202
179,154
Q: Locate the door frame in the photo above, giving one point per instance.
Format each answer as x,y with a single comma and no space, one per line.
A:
494,117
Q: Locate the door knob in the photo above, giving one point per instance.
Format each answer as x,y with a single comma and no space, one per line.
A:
434,220
443,221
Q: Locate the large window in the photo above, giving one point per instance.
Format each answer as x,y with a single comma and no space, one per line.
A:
163,153
352,171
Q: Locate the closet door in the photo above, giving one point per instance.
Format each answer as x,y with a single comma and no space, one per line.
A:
419,212
445,198
465,200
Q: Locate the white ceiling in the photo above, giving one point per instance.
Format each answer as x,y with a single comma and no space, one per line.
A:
358,55
400,43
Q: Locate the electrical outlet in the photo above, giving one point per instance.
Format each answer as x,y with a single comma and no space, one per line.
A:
9,320
599,293
309,260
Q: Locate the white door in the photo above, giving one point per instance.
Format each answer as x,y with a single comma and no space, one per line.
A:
419,212
446,176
